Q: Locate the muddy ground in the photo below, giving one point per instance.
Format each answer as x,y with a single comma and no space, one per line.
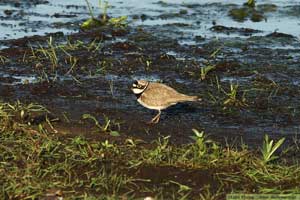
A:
96,79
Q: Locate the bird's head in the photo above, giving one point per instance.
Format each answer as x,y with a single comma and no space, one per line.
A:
139,86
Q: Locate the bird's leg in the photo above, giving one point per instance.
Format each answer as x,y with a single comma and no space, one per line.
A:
155,119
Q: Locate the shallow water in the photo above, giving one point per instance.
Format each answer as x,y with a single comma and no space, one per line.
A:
27,20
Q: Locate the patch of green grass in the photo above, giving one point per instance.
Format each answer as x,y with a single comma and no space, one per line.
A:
209,67
232,98
107,126
49,53
3,59
35,163
229,96
250,3
54,59
93,22
205,70
269,149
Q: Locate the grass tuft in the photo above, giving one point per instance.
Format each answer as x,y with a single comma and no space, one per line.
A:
36,163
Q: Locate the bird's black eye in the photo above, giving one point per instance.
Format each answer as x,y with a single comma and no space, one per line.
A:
136,83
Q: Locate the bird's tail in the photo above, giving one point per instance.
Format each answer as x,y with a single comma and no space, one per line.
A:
191,98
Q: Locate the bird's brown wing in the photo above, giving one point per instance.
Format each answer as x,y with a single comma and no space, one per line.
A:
159,94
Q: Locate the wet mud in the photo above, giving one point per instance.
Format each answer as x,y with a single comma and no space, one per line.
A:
170,43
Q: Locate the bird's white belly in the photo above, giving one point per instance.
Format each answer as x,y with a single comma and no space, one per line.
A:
152,107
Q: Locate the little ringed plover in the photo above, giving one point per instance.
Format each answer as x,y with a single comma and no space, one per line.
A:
158,96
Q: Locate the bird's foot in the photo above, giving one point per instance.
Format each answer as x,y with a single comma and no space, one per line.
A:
150,122
155,120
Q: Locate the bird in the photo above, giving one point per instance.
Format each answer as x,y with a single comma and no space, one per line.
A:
158,96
